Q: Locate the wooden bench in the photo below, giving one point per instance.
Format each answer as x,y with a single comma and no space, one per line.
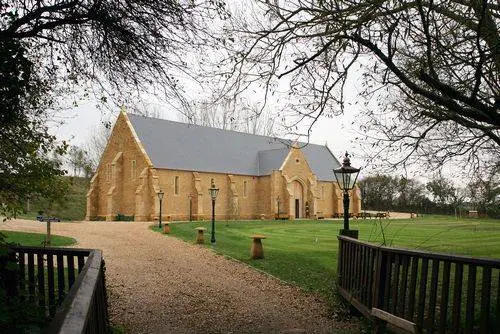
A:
257,252
365,215
320,215
472,213
281,216
341,215
199,236
382,215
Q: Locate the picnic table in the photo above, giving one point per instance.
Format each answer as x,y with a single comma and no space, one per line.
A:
281,216
365,215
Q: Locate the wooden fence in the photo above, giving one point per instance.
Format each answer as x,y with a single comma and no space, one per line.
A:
420,291
68,284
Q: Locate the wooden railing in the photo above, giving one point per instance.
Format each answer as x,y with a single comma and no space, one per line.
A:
420,291
68,284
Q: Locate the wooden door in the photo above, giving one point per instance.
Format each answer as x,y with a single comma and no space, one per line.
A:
298,199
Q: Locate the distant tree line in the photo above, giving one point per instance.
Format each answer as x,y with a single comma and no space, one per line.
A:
439,195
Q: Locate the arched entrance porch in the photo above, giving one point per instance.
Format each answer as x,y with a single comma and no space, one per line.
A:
297,200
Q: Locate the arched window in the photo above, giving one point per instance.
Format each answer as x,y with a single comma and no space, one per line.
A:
176,185
133,174
108,172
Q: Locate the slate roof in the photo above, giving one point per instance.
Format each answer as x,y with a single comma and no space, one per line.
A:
183,146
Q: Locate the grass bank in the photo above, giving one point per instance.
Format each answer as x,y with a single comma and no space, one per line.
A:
72,208
36,239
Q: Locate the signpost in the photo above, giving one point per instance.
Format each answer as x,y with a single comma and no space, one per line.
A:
48,220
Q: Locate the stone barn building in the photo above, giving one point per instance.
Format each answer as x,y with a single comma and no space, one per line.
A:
255,174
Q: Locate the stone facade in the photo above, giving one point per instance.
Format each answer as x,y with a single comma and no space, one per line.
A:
127,183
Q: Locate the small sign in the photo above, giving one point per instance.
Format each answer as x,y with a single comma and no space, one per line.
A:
473,213
43,219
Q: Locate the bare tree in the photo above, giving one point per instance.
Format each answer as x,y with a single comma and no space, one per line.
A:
429,70
116,48
484,192
232,114
96,144
218,114
79,160
146,110
257,120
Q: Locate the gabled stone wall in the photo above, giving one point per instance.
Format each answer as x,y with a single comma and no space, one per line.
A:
113,189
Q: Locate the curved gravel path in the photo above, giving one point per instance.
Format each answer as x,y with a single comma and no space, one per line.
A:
159,284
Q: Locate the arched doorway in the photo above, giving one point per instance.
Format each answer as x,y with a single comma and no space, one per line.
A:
297,199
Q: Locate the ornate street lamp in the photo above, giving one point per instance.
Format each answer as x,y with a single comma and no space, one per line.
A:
278,202
190,207
160,197
346,178
213,194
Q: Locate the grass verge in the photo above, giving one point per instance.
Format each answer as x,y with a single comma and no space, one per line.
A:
36,239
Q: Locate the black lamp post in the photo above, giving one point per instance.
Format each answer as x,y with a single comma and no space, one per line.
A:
278,202
346,178
190,207
213,193
160,197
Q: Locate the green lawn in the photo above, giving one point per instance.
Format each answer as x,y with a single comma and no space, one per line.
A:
36,239
305,252
474,237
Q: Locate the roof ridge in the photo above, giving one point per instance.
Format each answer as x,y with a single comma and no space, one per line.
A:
275,149
209,127
275,138
333,155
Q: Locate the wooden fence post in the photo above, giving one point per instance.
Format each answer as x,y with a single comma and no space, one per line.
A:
339,263
380,279
379,287
413,291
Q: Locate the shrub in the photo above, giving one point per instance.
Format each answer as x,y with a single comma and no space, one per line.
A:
124,218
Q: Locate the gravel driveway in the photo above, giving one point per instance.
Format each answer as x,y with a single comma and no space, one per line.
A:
159,284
